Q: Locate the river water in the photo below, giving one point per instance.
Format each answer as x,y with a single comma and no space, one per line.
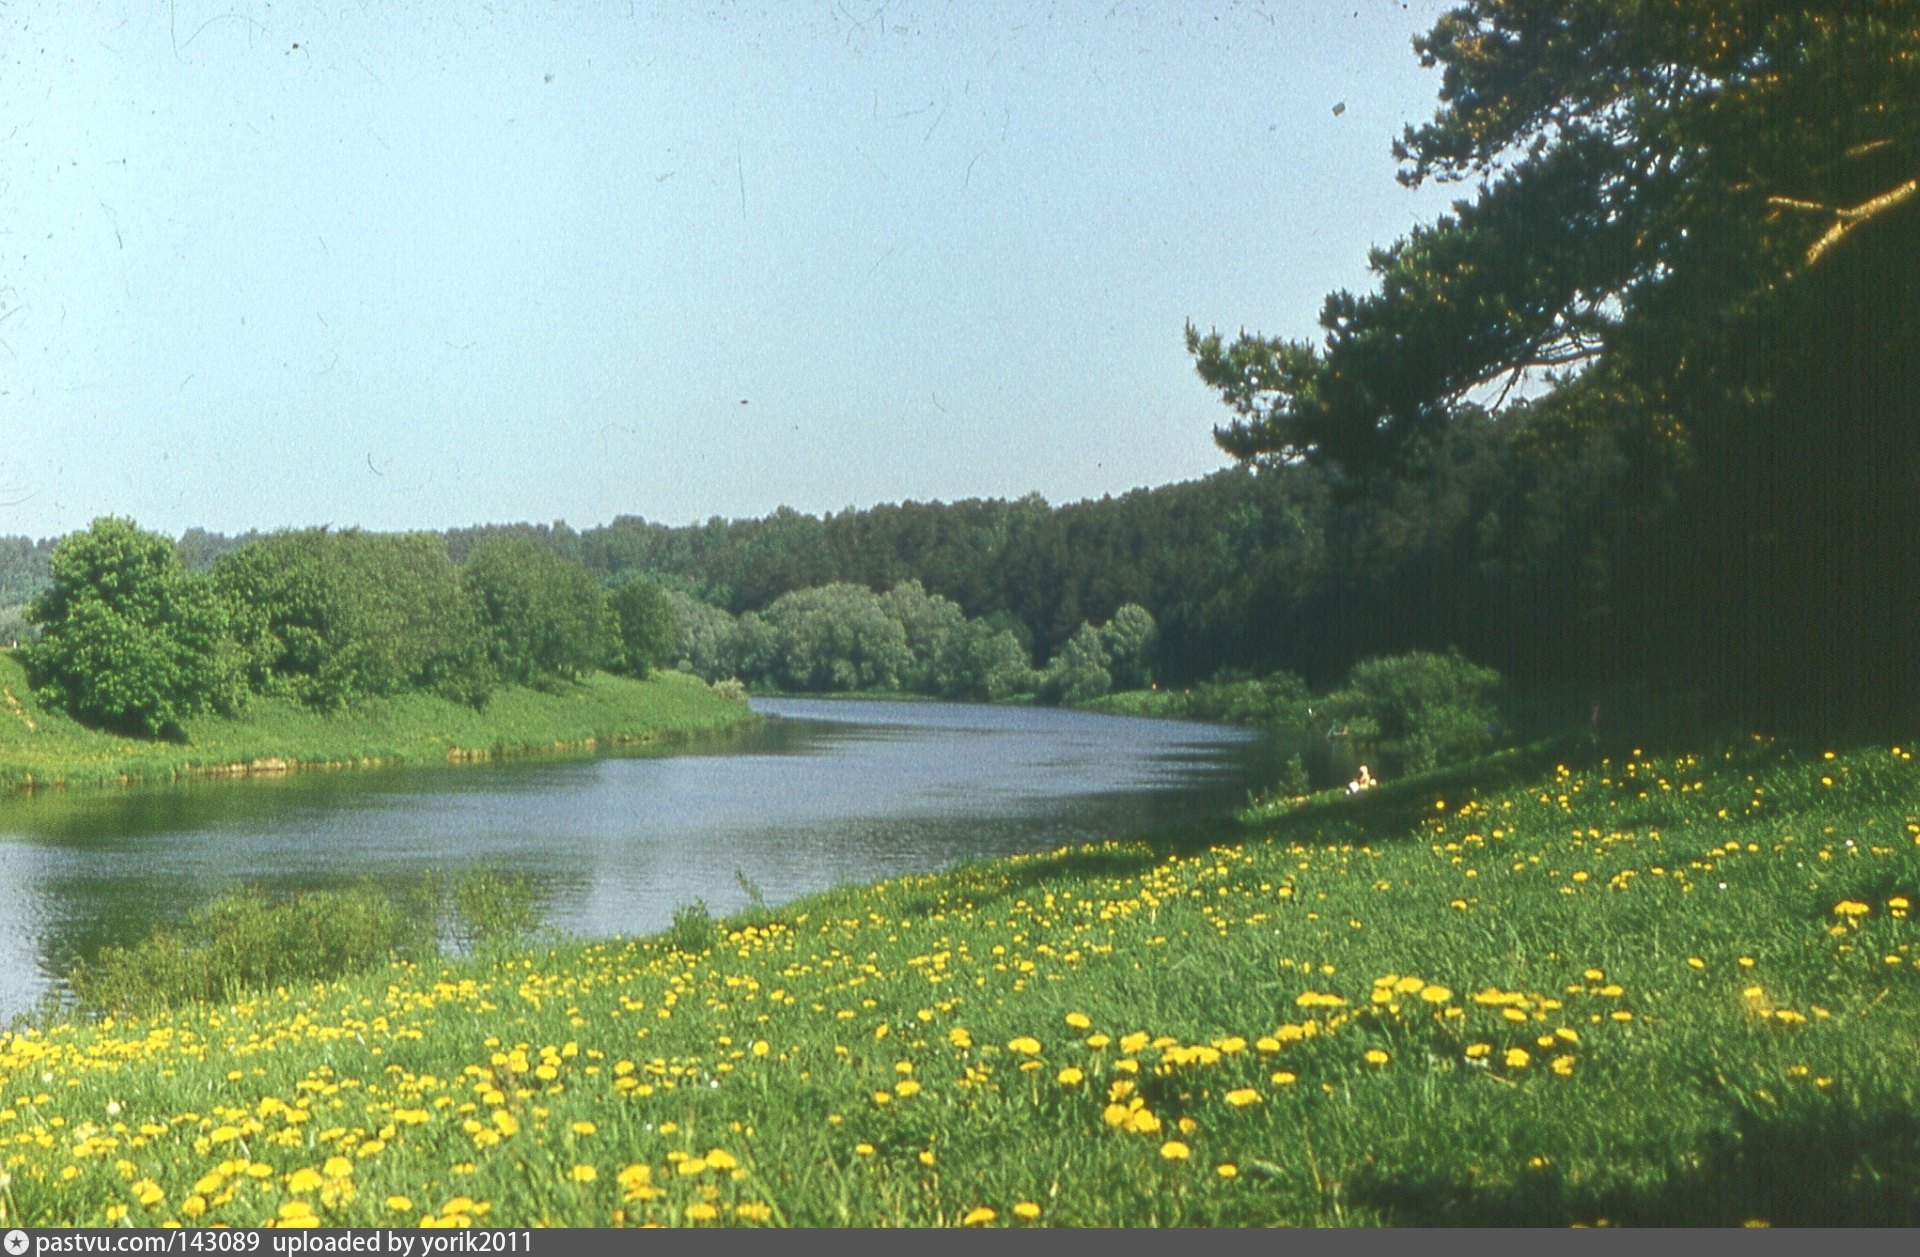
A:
826,792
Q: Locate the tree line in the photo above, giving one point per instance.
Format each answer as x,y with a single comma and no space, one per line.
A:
843,637
1515,547
133,640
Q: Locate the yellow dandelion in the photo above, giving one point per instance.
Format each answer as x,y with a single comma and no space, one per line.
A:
583,1174
978,1217
1241,1097
1027,1209
1174,1150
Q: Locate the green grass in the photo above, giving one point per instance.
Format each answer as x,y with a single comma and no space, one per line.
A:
40,748
1639,990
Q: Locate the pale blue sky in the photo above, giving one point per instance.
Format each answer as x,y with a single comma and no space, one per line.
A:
407,265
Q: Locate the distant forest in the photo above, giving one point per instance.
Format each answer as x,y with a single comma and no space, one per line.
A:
1507,550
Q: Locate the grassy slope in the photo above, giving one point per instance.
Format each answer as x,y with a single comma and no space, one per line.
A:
1639,991
43,748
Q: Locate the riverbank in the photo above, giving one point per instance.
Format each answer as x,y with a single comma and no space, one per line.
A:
41,749
1635,991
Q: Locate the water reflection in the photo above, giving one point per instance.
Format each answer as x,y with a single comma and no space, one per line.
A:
824,793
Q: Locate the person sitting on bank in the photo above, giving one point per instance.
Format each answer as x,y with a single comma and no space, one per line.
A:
1364,781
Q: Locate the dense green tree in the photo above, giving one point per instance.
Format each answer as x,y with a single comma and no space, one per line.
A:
1128,640
24,569
1650,173
545,617
930,623
649,633
982,663
1079,671
1713,206
130,640
704,636
837,637
327,618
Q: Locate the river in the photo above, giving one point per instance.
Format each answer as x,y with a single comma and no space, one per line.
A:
825,792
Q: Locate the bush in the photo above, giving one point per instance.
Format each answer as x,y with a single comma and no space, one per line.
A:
241,941
1426,710
693,930
491,908
1293,781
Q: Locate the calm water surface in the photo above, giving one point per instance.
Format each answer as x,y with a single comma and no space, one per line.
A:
826,792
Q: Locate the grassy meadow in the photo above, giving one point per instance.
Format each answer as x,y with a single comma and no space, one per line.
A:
1624,990
40,748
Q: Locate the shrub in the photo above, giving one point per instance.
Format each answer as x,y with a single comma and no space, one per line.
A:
491,908
241,941
693,930
1293,781
1427,710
